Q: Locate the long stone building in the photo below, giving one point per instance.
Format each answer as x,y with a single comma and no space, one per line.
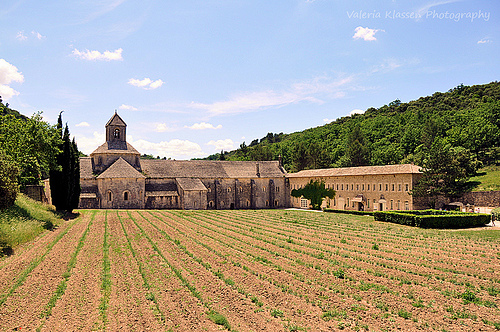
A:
115,177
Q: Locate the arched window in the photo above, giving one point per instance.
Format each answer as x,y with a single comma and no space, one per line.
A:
228,189
211,204
125,196
110,196
116,133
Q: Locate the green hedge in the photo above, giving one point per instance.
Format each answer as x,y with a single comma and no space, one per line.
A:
434,218
363,213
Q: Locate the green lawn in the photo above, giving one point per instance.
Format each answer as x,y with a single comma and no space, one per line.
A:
489,180
24,221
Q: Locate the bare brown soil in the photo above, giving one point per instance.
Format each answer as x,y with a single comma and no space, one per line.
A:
252,271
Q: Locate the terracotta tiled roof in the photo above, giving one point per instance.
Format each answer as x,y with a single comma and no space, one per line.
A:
362,170
203,169
116,148
190,184
121,169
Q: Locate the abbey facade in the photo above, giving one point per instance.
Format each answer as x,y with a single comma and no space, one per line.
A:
115,177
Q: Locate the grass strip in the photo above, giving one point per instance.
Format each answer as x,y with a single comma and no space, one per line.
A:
61,288
150,296
34,264
106,276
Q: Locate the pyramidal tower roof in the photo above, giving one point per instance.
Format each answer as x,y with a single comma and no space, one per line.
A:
116,120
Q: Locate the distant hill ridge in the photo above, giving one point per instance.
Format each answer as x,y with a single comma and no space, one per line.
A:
465,116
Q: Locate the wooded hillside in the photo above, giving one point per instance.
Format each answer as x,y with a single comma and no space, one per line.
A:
465,116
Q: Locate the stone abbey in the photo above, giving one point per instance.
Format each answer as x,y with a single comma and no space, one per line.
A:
115,177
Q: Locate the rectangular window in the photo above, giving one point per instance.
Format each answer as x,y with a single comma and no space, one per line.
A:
399,187
352,186
407,206
406,186
363,187
386,187
392,204
368,187
342,186
380,187
367,203
357,187
303,203
392,186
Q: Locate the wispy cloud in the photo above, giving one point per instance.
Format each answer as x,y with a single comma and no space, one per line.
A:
365,33
309,90
484,41
425,8
203,125
98,56
222,144
83,124
21,36
127,107
37,35
8,74
174,148
146,83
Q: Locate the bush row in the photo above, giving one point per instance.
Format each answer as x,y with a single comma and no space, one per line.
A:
434,218
363,213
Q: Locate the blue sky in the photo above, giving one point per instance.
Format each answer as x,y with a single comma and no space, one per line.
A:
193,77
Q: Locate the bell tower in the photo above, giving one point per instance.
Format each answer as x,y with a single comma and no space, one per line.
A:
116,133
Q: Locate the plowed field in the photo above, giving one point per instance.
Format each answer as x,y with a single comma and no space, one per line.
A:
269,270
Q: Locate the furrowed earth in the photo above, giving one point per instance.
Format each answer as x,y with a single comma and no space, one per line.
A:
250,270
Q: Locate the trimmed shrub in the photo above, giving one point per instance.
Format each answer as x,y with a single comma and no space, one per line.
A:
433,218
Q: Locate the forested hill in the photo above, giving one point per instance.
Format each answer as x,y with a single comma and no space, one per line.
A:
465,117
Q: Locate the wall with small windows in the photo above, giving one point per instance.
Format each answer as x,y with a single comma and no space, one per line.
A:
373,192
121,193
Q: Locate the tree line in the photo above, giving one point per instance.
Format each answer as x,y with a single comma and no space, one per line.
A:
32,150
459,128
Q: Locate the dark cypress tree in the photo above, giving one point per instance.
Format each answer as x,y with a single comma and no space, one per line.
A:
65,179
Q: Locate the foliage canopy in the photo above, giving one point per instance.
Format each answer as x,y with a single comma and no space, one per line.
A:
314,191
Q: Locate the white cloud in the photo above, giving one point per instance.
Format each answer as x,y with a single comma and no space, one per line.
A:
127,107
88,145
365,33
37,35
422,11
325,120
173,148
222,144
21,36
203,125
96,55
298,92
8,74
146,83
484,41
83,124
161,127
356,111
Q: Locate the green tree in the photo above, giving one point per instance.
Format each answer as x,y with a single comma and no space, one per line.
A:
446,172
9,171
315,191
357,152
65,178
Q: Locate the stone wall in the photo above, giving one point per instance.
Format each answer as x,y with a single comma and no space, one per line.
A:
35,192
482,198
